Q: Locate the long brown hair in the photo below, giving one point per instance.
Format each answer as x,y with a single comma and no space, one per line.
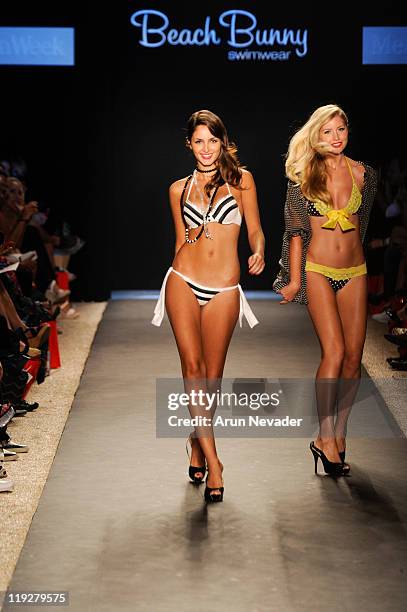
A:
228,167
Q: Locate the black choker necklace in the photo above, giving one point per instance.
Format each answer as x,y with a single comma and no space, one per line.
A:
205,171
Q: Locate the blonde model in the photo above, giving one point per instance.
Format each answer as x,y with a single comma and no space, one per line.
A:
329,198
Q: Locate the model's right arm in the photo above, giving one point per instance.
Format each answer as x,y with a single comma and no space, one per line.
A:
295,233
175,196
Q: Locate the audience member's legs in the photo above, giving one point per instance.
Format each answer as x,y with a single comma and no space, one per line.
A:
392,257
45,270
7,309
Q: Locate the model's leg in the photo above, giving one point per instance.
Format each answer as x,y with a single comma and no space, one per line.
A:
184,314
352,307
324,314
218,320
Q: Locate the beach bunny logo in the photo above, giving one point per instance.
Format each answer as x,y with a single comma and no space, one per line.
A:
236,28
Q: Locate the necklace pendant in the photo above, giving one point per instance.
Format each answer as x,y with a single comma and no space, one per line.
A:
207,232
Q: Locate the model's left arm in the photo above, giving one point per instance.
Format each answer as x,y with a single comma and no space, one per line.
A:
368,196
252,218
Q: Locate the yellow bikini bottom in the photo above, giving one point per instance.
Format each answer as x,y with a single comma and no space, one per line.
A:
336,273
337,277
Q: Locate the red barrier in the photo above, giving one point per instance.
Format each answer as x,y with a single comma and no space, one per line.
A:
62,279
31,367
54,358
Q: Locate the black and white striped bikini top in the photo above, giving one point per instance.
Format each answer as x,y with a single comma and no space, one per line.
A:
225,211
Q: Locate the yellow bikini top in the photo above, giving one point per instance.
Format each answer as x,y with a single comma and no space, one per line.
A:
340,215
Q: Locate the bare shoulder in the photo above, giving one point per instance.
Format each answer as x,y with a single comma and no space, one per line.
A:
358,169
177,186
247,179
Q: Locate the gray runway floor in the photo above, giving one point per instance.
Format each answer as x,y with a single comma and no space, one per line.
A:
120,527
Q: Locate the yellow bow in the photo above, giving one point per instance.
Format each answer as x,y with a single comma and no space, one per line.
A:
340,216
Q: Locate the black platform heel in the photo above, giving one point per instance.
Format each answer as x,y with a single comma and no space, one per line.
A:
192,470
331,468
345,466
211,497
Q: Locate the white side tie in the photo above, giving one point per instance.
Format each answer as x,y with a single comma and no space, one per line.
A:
159,309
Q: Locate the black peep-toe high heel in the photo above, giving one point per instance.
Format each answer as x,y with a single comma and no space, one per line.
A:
345,466
192,470
211,497
330,467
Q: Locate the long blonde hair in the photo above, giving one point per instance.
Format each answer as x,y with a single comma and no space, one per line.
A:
305,157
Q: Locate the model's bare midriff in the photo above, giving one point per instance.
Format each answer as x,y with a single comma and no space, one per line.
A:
213,263
335,248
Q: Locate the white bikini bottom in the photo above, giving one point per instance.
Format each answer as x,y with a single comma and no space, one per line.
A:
203,295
